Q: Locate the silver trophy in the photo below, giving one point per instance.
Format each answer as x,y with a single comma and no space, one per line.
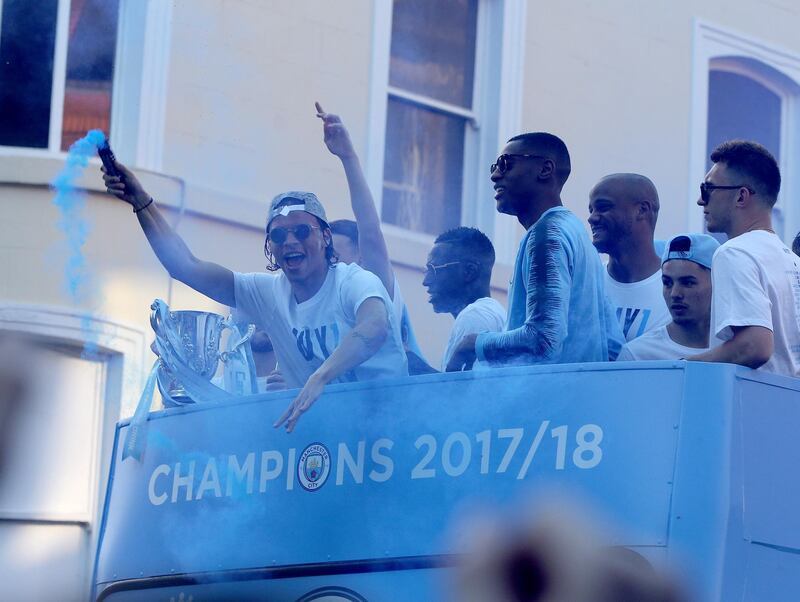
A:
190,340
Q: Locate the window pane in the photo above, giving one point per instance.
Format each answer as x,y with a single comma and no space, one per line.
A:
50,436
739,107
433,48
422,169
27,43
90,68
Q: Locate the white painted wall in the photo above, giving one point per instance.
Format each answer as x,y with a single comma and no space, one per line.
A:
226,117
618,80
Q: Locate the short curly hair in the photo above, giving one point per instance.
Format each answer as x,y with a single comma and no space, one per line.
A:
470,243
755,163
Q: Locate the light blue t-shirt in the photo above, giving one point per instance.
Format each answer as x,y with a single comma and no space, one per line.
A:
558,312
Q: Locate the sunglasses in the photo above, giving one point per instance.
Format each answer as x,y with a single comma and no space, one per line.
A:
503,163
431,269
706,189
301,232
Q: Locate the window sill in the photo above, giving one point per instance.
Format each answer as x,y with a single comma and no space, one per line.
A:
29,167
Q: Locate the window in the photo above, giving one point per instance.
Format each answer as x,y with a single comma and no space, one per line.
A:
56,70
59,434
429,112
742,107
90,68
744,88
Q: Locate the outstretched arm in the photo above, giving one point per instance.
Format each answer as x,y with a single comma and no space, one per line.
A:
375,255
208,278
360,344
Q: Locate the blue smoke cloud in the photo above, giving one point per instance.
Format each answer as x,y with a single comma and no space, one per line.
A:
71,203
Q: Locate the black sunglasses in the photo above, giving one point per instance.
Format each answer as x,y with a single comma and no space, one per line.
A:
301,232
503,163
707,188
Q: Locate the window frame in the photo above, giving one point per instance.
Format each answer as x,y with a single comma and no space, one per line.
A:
124,351
141,63
494,117
720,49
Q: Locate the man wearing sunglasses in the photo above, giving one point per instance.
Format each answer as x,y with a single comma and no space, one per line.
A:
457,277
558,312
328,322
755,277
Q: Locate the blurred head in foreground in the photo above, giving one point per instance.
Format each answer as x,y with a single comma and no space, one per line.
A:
18,355
555,557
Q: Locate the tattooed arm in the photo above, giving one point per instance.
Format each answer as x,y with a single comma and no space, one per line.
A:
360,344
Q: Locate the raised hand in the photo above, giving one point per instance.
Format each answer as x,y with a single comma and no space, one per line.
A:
336,137
127,187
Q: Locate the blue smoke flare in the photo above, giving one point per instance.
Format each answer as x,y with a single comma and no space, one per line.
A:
71,202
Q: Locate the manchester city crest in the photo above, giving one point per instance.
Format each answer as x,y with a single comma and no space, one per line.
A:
332,594
314,466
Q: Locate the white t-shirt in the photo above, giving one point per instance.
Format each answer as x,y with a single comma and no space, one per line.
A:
484,315
401,315
756,282
658,345
305,334
639,306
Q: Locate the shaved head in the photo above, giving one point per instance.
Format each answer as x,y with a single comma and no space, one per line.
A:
623,210
630,188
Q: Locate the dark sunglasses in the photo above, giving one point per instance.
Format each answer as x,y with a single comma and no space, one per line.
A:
706,189
301,232
503,162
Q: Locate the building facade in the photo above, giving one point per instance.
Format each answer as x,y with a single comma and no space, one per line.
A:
212,103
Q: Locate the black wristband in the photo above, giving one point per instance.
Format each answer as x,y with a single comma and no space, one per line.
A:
145,206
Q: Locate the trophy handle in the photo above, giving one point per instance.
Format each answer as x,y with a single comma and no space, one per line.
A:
251,329
159,311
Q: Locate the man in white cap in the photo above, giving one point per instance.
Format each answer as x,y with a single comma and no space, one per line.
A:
328,322
686,280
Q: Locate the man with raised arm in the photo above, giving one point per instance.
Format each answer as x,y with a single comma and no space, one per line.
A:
756,278
686,290
558,311
623,209
328,322
362,242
